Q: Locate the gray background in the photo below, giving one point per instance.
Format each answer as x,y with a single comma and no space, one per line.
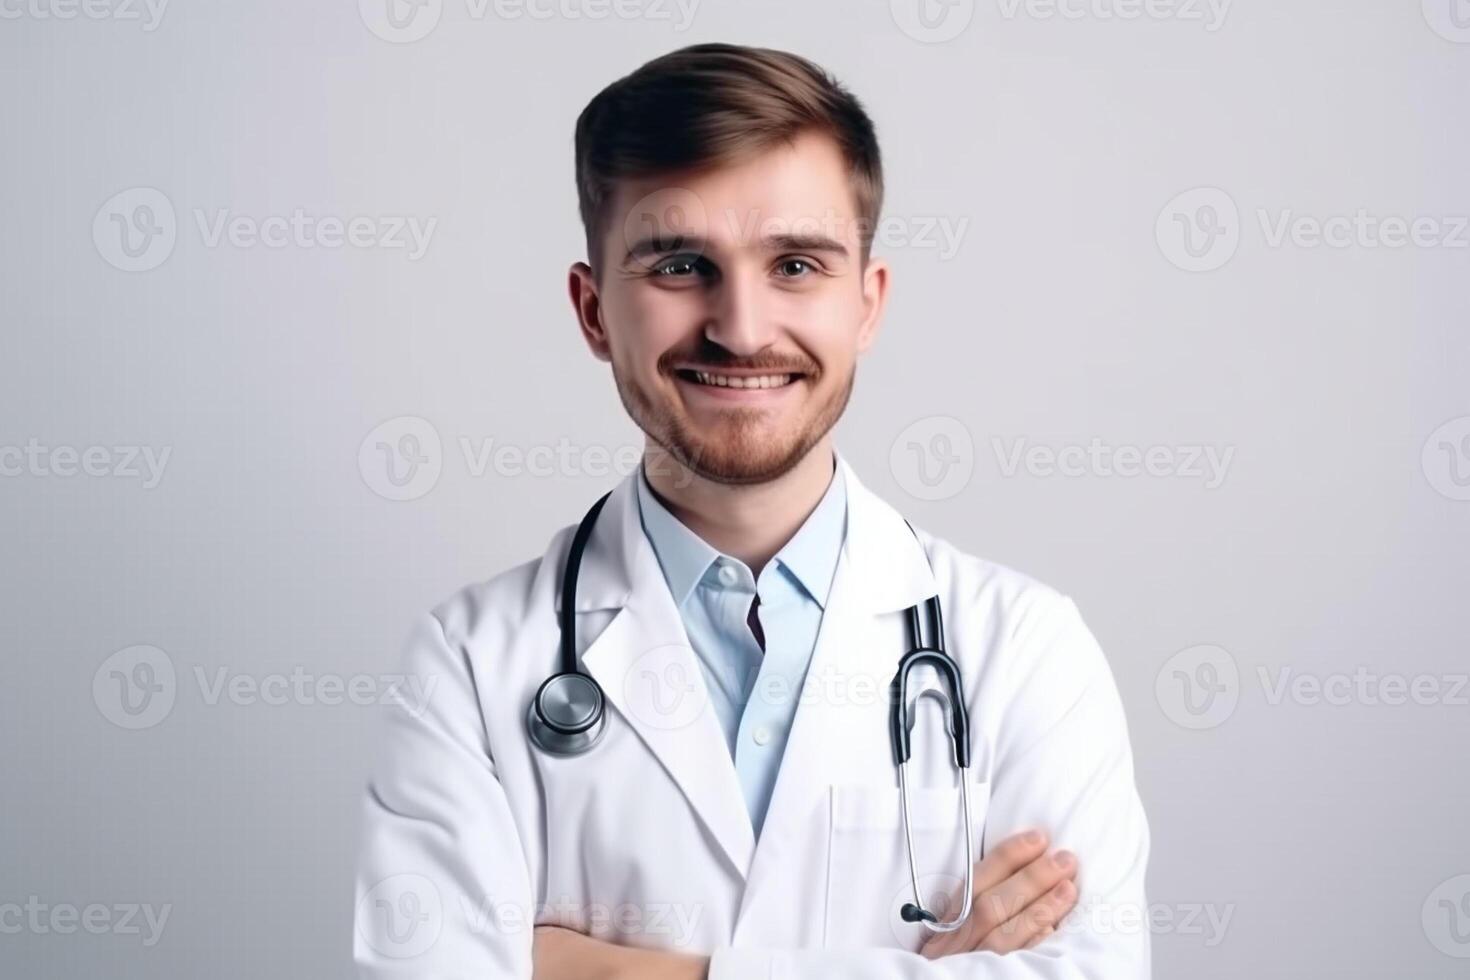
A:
1332,835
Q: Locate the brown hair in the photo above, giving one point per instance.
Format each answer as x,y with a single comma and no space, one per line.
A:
711,104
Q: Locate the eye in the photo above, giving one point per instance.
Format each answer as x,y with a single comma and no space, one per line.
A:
795,268
678,267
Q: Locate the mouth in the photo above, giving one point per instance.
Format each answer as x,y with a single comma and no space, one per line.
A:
746,380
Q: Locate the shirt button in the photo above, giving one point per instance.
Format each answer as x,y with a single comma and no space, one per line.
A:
728,575
762,735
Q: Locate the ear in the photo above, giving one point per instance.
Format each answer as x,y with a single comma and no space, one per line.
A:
876,280
582,286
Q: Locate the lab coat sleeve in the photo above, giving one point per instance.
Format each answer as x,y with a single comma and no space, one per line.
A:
1063,763
443,888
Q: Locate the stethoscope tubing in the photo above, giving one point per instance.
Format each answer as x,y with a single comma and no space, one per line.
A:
566,738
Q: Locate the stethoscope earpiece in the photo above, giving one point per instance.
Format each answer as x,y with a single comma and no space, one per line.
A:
912,913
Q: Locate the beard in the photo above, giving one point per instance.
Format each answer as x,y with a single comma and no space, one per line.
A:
740,445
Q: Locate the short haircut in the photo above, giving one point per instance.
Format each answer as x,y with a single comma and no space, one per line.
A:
708,105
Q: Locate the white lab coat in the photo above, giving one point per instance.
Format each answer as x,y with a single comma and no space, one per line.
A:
472,836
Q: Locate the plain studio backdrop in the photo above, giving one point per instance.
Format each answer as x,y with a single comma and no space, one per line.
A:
1179,327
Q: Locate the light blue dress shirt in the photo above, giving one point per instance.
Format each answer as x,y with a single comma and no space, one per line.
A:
753,694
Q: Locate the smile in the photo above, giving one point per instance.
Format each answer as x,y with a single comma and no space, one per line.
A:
738,381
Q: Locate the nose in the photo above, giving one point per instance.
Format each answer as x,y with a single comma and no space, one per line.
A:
739,320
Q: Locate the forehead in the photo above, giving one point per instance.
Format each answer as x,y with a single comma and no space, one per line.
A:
803,185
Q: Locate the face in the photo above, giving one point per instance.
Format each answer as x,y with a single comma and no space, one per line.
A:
733,305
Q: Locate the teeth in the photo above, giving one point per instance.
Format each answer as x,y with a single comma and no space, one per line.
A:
730,381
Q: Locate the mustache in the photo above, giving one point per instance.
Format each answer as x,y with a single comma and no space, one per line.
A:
717,359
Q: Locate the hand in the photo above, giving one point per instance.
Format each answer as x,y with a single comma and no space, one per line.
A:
1021,893
563,954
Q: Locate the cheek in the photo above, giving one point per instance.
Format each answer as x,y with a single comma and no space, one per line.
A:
826,326
644,323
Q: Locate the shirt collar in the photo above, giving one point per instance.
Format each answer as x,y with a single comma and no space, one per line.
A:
810,556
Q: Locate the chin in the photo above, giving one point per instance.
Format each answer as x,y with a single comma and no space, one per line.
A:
735,458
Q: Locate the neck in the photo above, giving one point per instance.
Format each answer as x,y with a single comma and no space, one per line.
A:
747,521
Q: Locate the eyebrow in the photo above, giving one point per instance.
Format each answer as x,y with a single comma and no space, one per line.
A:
654,245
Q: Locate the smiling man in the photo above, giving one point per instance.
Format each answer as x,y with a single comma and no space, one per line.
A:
706,786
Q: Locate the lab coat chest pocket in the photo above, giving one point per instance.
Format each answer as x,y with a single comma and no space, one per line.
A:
868,878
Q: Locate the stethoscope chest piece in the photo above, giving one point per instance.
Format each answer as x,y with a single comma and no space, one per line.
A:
566,717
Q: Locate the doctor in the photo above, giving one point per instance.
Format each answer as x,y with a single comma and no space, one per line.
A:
741,604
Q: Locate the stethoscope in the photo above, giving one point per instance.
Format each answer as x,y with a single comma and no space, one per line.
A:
568,714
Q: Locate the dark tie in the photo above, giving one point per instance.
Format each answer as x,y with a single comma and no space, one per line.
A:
754,622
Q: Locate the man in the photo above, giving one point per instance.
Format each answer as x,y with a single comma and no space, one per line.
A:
742,605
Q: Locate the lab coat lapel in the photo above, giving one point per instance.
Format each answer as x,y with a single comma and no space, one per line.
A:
647,670
881,571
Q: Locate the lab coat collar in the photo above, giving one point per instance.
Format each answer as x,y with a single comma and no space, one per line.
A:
809,557
893,570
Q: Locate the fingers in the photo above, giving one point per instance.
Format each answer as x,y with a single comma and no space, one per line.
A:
1011,856
1033,923
1008,857
1019,891
1039,937
1008,899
